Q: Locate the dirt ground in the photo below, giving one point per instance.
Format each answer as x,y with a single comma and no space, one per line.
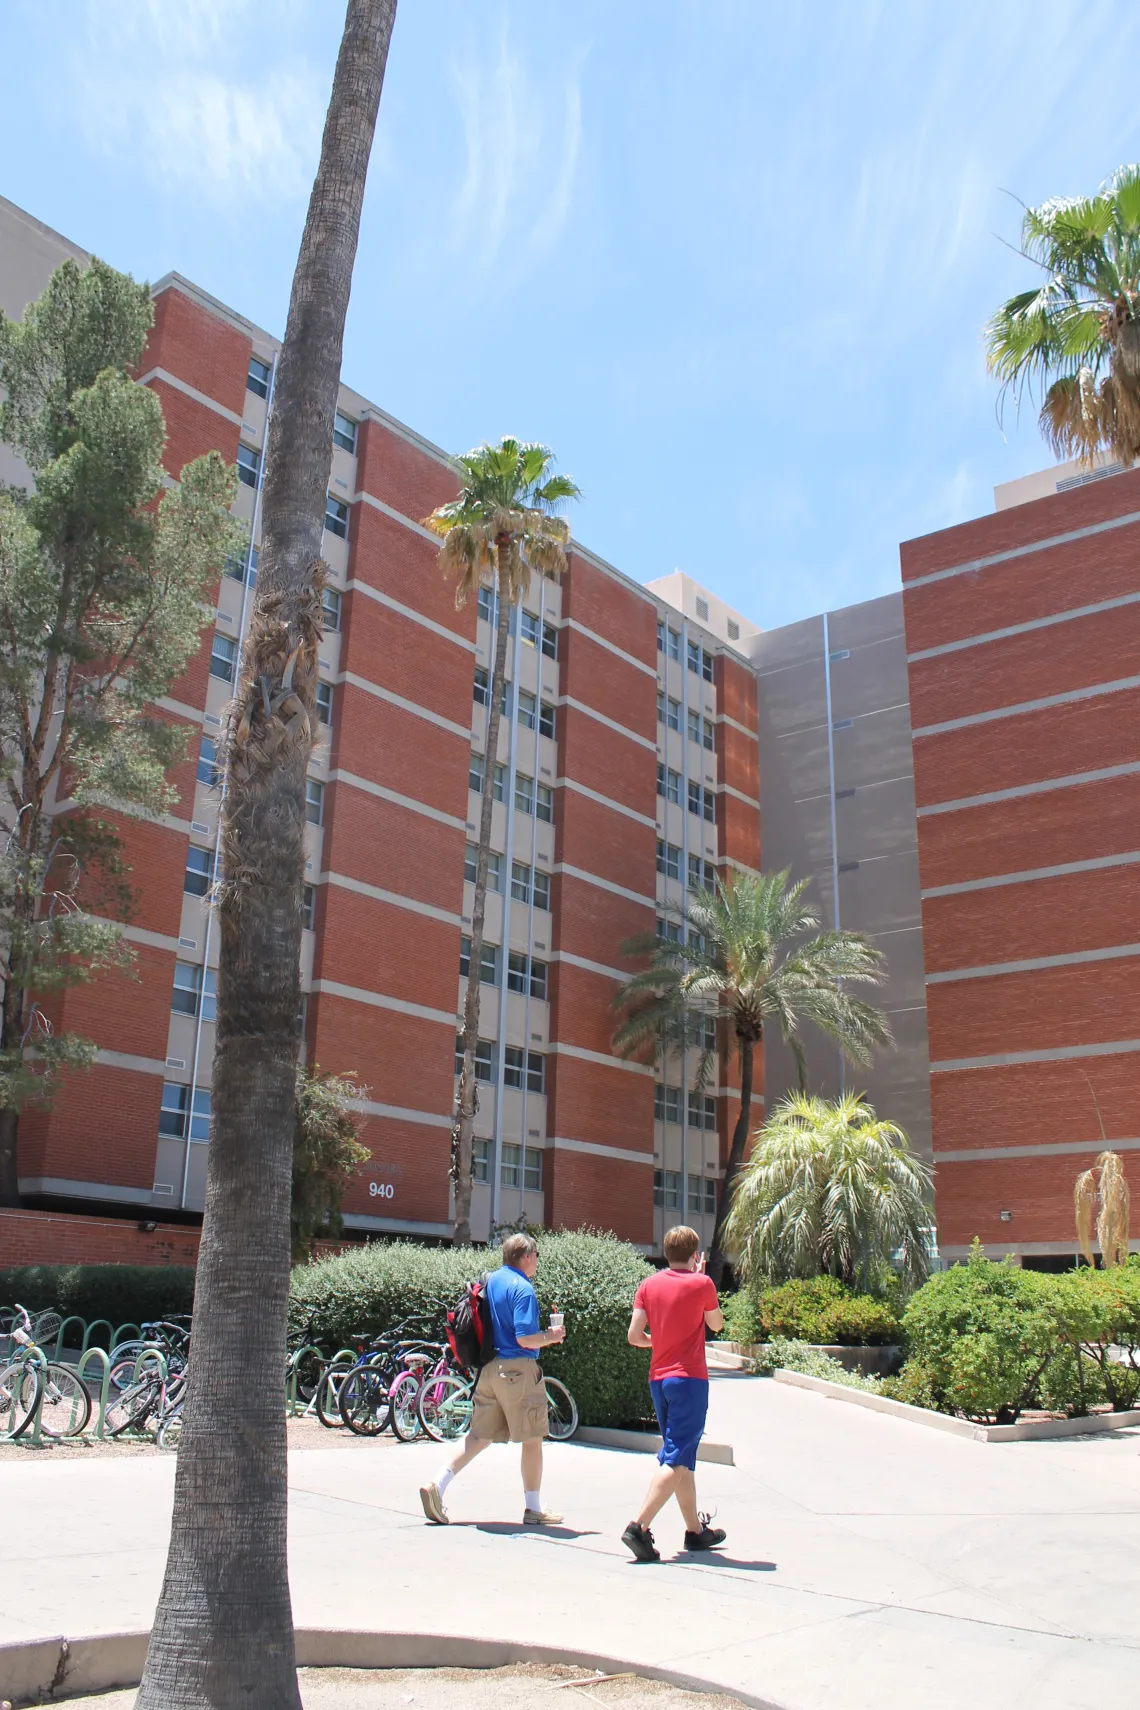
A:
525,1686
303,1434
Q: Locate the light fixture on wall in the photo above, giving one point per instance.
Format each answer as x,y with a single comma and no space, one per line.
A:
146,1228
1006,1216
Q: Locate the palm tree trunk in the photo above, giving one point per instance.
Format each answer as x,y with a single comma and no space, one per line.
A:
223,1630
11,1030
466,1095
735,1158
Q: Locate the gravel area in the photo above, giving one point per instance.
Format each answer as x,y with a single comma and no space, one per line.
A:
524,1686
303,1434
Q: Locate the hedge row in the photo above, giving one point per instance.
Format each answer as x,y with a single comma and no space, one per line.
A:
126,1294
592,1278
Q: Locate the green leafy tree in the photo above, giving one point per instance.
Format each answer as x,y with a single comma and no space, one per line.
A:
744,960
103,575
326,1155
502,527
222,1636
1074,337
830,1188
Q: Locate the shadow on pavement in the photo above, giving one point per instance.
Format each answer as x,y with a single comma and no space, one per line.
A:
515,1528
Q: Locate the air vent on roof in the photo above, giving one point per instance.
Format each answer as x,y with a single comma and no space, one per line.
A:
840,653
703,610
188,944
841,794
1071,481
848,866
733,630
842,723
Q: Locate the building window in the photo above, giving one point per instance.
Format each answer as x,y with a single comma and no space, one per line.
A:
525,973
480,1160
544,805
670,931
518,1062
550,641
257,380
667,1103
344,432
707,1038
702,1194
528,709
702,802
541,889
706,665
208,763
673,714
668,859
242,566
475,773
673,787
324,703
308,906
667,1189
524,793
530,1163
484,1059
701,730
702,1111
175,1107
199,864
538,634
494,867
673,644
330,611
546,720
708,734
223,657
488,962
314,801
499,789
481,693
190,990
521,881
702,874
248,464
660,640
694,657
660,700
336,516
694,725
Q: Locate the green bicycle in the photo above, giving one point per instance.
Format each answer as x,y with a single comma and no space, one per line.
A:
33,1386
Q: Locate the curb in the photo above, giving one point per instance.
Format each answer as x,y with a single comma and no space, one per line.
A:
647,1443
60,1668
1033,1431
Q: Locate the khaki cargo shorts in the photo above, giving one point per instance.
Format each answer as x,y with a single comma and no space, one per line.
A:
510,1403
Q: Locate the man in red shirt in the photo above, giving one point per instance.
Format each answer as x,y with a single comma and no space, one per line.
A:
670,1312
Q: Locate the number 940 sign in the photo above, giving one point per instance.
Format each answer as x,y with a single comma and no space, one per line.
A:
381,1190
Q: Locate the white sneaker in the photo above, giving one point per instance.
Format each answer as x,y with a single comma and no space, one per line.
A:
433,1504
541,1517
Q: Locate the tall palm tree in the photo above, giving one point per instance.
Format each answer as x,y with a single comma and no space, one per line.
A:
503,526
223,1629
743,957
830,1188
1075,337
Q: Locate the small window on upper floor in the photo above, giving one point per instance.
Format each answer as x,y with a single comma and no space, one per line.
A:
708,735
546,719
223,657
706,665
314,801
673,648
324,703
660,636
528,709
336,516
344,432
208,763
248,464
330,610
257,380
242,566
308,906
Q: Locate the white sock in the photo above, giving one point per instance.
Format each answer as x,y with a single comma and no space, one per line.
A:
443,1479
533,1500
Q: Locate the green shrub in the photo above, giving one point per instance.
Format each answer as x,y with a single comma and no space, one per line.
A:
592,1278
125,1294
784,1353
914,1385
739,1317
824,1310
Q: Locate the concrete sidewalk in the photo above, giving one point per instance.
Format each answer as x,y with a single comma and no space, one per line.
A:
870,1564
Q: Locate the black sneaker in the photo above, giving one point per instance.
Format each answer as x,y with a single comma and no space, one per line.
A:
707,1538
639,1539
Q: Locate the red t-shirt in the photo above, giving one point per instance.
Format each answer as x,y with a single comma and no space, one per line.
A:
675,1303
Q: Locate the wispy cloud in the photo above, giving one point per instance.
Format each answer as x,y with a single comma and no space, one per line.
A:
522,156
169,87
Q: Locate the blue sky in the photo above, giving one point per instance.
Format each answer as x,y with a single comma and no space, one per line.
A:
731,260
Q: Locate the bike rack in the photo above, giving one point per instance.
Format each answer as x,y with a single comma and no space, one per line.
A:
59,1338
97,1354
97,1324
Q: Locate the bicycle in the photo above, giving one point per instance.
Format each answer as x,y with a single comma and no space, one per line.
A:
169,1335
364,1399
446,1401
32,1386
306,1364
155,1394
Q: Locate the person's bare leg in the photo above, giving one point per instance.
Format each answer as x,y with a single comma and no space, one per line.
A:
472,1446
686,1494
532,1464
661,1487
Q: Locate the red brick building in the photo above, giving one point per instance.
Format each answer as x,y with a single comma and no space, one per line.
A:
1023,639
626,770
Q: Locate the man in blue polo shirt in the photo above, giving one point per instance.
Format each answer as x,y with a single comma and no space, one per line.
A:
510,1396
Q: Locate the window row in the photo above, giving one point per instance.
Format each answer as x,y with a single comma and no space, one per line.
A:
701,729
524,973
671,931
536,632
533,713
224,651
520,1066
258,381
667,1192
513,1160
701,1111
526,881
530,797
702,802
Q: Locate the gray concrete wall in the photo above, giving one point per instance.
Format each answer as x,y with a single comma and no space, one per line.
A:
842,813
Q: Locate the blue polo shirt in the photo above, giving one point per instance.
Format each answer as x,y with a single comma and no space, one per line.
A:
514,1312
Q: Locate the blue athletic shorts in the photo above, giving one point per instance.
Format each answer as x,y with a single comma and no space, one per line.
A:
681,1405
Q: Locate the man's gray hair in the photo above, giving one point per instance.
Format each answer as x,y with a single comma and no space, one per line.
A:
518,1246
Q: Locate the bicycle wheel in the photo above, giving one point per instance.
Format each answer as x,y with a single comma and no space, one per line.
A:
328,1396
123,1364
131,1410
309,1364
19,1392
444,1405
170,1430
66,1405
561,1411
403,1397
363,1402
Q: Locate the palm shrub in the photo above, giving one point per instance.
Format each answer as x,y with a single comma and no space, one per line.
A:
744,960
1074,336
590,1277
830,1188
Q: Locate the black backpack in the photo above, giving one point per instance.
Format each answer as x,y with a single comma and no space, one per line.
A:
470,1332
